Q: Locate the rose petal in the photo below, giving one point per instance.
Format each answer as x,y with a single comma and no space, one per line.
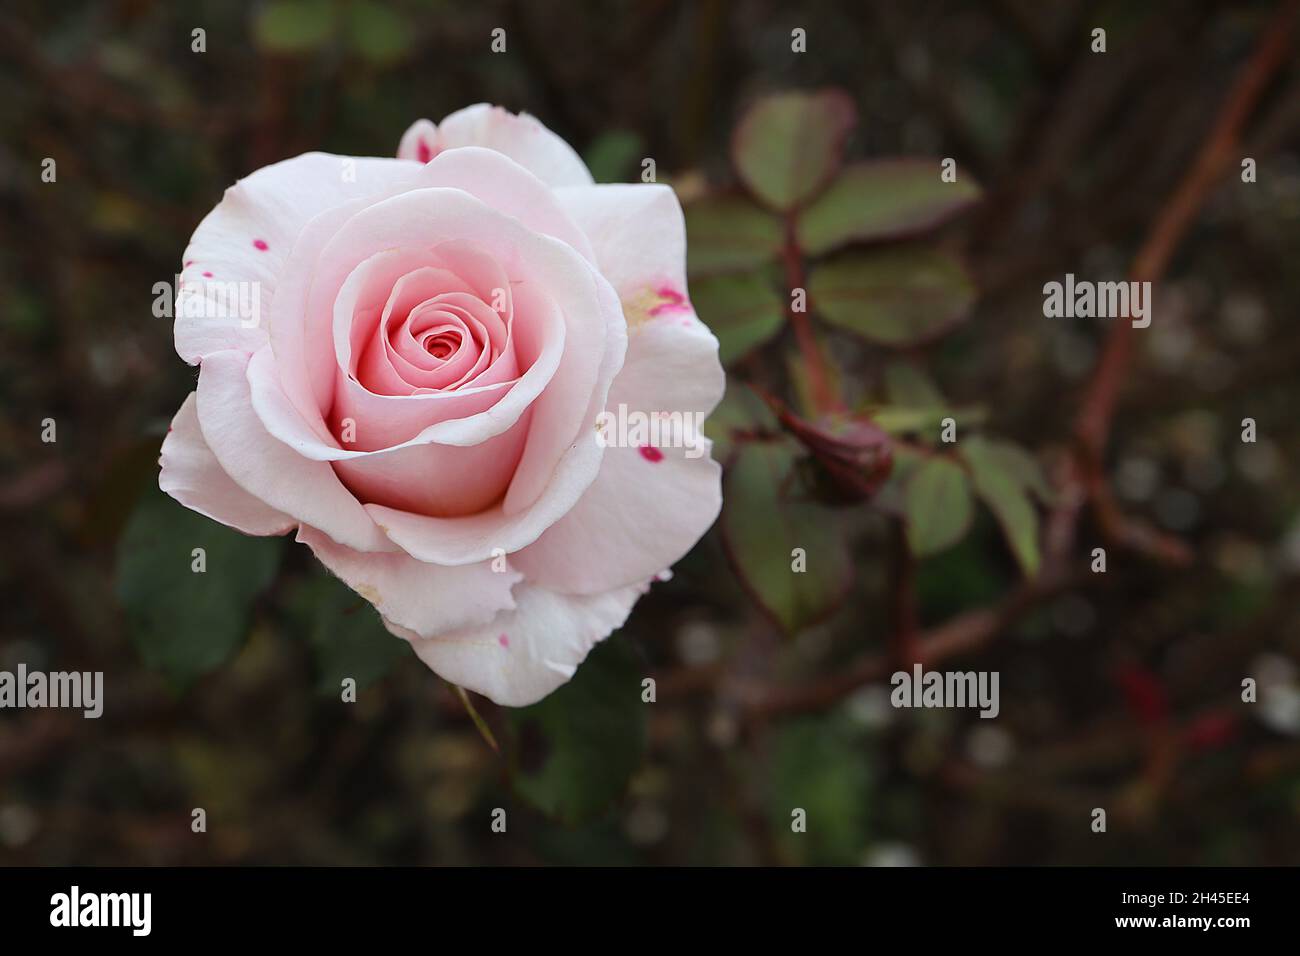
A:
431,216
521,137
508,186
420,142
437,479
192,475
269,470
425,598
524,654
637,232
472,538
248,236
642,513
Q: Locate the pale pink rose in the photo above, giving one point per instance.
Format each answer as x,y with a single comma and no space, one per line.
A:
438,337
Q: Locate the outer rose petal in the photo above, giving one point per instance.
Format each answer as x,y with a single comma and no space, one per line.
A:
521,137
640,515
420,142
270,470
424,598
637,232
509,186
248,236
522,655
643,512
192,475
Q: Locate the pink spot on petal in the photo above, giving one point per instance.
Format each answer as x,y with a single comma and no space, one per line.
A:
674,301
190,263
503,641
207,275
650,453
260,245
422,151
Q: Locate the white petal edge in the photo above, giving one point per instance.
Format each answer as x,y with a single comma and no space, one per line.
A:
426,599
191,474
547,636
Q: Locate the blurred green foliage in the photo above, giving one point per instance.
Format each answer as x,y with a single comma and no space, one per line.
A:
925,300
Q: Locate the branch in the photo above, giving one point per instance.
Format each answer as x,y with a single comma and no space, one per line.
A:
1093,424
1084,480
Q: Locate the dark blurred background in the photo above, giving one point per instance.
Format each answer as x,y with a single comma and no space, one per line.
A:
1119,691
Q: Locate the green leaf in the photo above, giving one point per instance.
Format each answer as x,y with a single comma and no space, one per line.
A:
889,499
1021,463
740,411
377,33
729,234
186,623
345,632
883,199
573,753
937,504
788,146
908,386
925,422
764,519
1000,487
819,765
896,297
612,156
294,26
744,311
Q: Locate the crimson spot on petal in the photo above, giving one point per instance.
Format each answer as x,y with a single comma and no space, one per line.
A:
260,245
650,453
673,301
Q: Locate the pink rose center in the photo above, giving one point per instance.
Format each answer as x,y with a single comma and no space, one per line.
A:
431,336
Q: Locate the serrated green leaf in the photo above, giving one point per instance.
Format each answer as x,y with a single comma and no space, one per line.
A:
743,311
1001,489
345,632
764,519
294,26
788,146
572,754
729,234
882,199
897,297
186,623
937,505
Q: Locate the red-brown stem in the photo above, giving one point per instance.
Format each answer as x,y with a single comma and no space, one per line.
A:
1218,151
973,630
907,647
823,396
